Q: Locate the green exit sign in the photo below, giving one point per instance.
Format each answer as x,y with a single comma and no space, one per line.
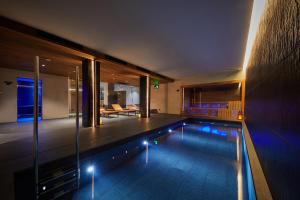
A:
155,84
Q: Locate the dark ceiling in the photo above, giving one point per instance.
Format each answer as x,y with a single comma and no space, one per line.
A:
176,38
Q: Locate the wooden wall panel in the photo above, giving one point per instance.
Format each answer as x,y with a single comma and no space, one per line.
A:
221,102
272,104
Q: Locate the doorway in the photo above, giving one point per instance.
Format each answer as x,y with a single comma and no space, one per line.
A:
25,99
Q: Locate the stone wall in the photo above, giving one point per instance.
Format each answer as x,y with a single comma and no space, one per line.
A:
273,97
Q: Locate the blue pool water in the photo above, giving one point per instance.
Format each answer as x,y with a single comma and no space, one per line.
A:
197,161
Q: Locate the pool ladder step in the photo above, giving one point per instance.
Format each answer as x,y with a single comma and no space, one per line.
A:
58,184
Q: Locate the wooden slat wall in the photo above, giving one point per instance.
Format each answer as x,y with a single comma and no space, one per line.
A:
231,113
221,101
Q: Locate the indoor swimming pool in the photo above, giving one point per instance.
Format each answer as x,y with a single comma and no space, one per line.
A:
200,160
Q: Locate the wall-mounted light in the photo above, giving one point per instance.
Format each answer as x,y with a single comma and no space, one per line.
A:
240,115
8,82
74,90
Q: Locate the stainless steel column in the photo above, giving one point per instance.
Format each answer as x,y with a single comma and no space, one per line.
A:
77,126
36,127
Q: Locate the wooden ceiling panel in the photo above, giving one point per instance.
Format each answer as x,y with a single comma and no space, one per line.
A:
17,51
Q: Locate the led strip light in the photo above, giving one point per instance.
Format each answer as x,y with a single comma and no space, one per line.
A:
257,11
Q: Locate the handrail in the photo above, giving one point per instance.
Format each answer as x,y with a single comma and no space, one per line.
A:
260,183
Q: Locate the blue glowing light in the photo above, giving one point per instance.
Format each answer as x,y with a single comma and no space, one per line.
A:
145,142
25,79
206,129
215,131
25,99
234,133
170,130
28,119
90,169
184,124
223,133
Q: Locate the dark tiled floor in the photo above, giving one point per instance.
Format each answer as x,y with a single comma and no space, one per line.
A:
191,165
57,141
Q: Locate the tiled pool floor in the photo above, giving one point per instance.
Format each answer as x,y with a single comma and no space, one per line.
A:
195,164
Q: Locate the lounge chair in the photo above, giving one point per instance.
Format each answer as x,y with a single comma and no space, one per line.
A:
133,107
107,113
119,109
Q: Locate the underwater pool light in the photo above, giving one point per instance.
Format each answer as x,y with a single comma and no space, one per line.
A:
206,129
184,124
145,142
90,169
170,130
215,131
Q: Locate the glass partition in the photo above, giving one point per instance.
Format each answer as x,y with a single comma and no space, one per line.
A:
16,111
118,101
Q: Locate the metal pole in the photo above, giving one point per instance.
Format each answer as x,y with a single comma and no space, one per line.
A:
36,127
77,126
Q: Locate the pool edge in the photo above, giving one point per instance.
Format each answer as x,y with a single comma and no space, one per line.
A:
262,190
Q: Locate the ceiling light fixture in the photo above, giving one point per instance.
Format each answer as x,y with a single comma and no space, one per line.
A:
257,11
